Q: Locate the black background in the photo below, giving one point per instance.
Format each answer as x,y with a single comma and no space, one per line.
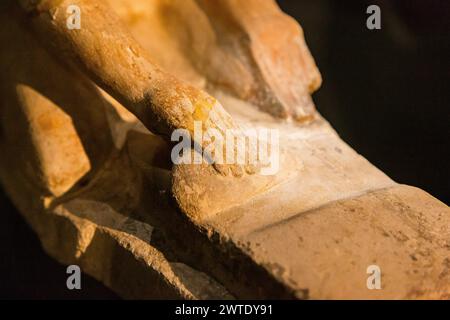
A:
385,91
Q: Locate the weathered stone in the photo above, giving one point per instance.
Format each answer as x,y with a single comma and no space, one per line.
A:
73,187
96,185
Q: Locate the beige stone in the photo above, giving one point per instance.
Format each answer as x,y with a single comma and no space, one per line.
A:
99,190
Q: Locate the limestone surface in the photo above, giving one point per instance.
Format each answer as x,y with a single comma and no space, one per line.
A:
90,170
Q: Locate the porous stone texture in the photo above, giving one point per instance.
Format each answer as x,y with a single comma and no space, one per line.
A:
315,234
96,186
72,177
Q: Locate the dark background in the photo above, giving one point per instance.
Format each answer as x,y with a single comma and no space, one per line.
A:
385,91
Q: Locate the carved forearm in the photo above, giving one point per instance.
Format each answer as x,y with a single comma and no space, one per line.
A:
110,56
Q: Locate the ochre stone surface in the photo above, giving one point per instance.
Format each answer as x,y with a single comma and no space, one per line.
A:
96,185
